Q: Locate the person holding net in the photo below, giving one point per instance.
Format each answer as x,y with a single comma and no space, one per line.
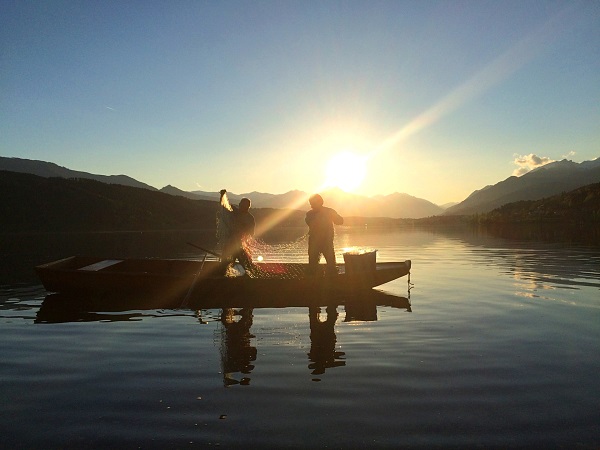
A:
235,229
320,221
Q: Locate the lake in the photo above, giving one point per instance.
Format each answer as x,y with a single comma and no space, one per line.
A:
493,344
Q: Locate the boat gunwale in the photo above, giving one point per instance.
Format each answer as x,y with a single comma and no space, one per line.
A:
63,276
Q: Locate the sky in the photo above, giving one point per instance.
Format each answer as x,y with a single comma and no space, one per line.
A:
431,98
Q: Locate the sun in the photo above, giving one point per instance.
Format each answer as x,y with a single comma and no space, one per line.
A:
346,170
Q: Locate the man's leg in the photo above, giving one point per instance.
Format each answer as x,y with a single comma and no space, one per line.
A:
329,254
245,259
314,256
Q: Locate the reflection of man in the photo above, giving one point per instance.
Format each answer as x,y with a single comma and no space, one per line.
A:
322,341
236,349
320,221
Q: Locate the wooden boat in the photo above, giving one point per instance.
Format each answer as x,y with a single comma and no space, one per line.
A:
191,279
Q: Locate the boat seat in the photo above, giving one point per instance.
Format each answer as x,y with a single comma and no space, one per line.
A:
101,265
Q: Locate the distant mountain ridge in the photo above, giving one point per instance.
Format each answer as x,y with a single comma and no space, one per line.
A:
394,206
48,170
580,206
545,181
548,180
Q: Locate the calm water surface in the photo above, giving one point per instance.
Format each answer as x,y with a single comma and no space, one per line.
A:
499,347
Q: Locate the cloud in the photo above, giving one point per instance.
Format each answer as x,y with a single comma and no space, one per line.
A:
526,163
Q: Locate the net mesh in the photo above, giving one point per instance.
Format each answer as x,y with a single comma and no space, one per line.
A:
224,220
266,256
273,253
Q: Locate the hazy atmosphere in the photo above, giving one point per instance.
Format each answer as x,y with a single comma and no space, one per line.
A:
440,293
434,99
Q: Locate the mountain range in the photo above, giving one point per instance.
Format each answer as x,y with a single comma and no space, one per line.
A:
393,206
49,170
548,180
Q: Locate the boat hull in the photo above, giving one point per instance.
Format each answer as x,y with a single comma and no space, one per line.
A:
190,279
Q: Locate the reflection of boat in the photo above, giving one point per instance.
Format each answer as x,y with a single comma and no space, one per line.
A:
237,344
81,308
194,279
60,308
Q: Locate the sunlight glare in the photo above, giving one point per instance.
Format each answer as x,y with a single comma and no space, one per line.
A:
346,170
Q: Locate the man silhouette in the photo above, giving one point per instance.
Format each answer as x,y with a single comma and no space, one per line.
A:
320,221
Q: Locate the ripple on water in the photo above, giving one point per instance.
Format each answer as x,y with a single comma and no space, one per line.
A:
498,348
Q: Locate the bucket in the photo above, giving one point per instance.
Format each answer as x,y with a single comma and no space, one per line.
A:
360,261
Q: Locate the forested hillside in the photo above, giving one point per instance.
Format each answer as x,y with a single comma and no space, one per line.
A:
33,203
546,181
580,206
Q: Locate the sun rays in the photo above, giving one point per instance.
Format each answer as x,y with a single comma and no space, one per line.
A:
347,169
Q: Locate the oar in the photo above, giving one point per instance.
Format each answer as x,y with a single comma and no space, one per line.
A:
185,301
205,250
189,292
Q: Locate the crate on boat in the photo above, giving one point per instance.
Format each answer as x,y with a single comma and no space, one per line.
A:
360,261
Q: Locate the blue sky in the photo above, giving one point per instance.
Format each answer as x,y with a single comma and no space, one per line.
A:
438,98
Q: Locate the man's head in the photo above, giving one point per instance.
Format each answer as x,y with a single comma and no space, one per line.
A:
316,201
244,204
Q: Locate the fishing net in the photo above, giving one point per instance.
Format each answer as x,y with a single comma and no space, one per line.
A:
293,252
224,220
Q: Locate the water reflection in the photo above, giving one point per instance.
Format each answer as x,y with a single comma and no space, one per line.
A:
322,354
565,233
237,351
59,308
238,354
475,363
567,264
236,341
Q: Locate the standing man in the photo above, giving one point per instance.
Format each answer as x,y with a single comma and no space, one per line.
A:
235,228
320,221
243,226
